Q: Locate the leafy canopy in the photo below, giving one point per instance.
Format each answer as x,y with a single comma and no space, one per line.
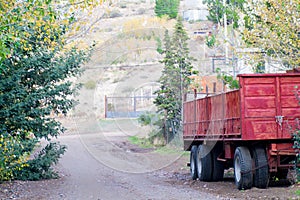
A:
217,10
273,26
270,26
166,7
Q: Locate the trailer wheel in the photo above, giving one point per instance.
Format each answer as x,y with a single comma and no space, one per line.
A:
261,175
242,168
204,163
193,157
218,166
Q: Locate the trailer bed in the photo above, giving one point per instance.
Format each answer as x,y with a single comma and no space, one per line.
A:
264,108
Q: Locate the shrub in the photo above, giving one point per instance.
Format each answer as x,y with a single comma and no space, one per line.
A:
41,166
115,13
35,84
123,5
90,85
141,11
13,155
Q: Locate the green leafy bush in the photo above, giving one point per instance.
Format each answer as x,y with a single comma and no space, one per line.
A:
210,41
41,166
13,155
34,87
147,118
228,80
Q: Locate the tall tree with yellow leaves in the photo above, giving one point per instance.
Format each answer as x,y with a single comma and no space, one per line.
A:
273,27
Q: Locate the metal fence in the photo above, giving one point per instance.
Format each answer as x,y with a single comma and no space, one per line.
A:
128,107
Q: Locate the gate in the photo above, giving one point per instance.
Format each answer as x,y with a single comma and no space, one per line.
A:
128,107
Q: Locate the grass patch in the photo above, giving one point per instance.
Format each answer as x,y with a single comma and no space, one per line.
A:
146,143
90,85
171,150
141,142
297,192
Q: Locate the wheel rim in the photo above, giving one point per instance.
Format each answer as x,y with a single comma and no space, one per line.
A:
199,166
237,169
192,164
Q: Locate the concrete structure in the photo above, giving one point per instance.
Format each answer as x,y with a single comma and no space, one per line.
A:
194,10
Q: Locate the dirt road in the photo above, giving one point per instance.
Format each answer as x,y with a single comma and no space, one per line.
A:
101,164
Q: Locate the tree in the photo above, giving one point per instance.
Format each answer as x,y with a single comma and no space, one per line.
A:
273,27
217,10
175,78
166,7
34,85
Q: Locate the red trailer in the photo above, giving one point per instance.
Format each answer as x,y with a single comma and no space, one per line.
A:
249,129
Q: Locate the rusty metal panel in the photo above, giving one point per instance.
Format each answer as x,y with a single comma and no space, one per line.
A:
269,106
259,129
264,108
215,117
188,119
290,108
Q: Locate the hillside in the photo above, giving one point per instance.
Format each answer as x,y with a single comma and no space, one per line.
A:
125,61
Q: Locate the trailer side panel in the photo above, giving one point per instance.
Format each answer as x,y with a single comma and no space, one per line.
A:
268,106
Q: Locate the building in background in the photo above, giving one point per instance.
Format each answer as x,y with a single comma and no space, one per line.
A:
194,10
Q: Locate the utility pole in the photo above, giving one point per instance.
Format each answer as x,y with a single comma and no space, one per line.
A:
225,32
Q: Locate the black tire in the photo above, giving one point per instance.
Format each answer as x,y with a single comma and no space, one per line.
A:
218,166
204,163
261,173
193,157
243,168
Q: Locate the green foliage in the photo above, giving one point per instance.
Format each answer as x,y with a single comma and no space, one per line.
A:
159,45
272,27
268,27
260,67
41,166
210,41
141,142
166,7
13,155
231,9
216,10
34,86
297,192
148,118
175,75
228,80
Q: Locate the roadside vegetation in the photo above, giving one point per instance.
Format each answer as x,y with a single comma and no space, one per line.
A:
174,81
35,86
296,138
